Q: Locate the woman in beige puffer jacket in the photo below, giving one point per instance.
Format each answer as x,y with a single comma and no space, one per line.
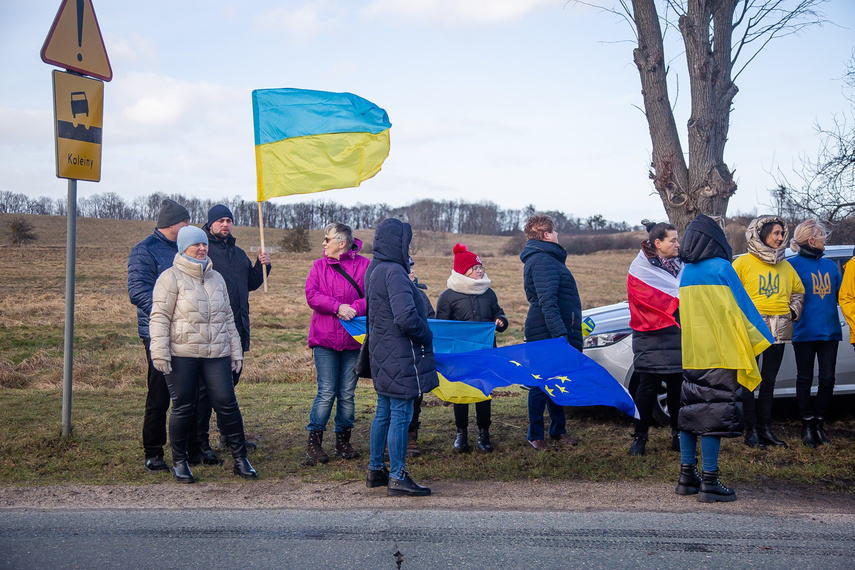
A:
778,293
193,340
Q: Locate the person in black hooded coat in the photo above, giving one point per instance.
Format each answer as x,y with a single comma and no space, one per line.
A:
400,348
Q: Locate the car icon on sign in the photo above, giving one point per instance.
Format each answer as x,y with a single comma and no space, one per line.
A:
79,104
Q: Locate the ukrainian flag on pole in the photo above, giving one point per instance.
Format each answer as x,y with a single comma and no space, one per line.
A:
311,141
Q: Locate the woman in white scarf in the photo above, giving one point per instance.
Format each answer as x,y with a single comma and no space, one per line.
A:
469,298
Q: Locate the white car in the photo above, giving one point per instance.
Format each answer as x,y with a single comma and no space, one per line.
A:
610,344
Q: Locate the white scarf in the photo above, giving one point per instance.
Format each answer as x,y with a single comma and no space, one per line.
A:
459,283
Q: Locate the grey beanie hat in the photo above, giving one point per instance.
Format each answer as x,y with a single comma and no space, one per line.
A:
171,212
190,235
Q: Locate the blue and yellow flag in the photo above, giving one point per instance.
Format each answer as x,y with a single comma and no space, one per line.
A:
448,336
721,326
569,377
310,141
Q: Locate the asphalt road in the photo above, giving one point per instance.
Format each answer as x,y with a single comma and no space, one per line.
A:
424,538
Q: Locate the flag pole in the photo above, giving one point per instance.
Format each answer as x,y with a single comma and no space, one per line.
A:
261,232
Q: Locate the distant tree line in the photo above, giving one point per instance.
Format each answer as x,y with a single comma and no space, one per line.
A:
451,216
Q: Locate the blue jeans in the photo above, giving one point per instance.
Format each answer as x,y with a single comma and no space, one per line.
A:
391,421
710,446
538,401
336,381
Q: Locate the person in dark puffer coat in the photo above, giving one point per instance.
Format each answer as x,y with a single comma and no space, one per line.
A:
470,298
554,311
714,308
400,348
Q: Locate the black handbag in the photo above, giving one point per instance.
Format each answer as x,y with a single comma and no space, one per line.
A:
363,364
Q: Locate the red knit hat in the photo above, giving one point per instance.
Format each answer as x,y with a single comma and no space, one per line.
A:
464,259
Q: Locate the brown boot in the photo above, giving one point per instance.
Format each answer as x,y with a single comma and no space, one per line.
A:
342,444
314,451
413,443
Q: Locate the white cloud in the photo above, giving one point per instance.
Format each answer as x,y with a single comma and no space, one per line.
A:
304,22
459,12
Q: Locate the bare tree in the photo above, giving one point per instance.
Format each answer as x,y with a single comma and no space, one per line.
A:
720,38
826,184
21,232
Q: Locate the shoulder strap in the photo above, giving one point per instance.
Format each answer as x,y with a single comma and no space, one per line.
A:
337,267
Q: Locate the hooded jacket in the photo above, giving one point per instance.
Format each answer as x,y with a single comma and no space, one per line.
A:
554,309
722,332
148,259
327,289
400,343
240,275
190,314
455,304
773,284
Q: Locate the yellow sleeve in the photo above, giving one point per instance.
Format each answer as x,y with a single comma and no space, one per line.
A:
847,298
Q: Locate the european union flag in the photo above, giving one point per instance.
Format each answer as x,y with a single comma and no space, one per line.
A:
568,376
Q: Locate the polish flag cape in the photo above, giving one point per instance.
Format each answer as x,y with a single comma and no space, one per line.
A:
654,295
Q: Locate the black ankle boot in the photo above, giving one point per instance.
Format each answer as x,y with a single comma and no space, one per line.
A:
767,437
809,433
712,490
639,443
461,442
343,446
752,439
244,469
689,482
484,444
181,472
377,478
406,486
821,436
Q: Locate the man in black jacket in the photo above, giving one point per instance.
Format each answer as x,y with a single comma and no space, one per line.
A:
241,277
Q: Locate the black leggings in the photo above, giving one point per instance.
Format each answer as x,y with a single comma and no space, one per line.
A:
760,412
645,398
483,411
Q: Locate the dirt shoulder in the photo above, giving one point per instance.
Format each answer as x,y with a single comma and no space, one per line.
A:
450,495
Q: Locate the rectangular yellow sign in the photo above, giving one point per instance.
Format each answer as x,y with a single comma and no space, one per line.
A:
78,109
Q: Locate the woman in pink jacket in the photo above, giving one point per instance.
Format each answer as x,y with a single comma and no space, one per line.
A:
335,289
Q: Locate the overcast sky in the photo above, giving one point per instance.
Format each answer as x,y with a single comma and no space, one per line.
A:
514,101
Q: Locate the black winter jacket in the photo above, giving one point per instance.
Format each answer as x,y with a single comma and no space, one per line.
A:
241,277
483,308
400,343
555,309
148,259
711,399
659,351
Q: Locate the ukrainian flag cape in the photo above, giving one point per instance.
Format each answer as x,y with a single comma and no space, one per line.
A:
310,141
721,326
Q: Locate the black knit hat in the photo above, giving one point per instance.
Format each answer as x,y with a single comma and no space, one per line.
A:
217,212
171,212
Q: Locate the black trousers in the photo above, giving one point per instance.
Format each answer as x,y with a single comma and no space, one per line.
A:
204,411
760,413
417,410
156,406
825,353
184,381
645,398
483,413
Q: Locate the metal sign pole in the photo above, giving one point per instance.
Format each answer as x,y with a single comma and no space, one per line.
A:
68,351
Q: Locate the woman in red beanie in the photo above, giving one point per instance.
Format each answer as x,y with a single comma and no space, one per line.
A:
469,298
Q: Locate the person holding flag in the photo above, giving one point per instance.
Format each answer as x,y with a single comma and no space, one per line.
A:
470,298
653,290
722,333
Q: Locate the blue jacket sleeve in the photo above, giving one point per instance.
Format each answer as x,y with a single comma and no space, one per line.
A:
142,275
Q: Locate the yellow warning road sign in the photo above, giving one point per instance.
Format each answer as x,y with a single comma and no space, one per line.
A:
74,41
78,109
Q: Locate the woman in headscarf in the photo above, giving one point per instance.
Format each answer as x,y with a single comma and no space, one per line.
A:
778,294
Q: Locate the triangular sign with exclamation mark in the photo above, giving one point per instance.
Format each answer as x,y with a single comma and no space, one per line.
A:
74,41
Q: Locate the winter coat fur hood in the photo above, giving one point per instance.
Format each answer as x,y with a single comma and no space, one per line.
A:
190,314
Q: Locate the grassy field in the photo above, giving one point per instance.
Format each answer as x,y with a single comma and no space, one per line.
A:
278,384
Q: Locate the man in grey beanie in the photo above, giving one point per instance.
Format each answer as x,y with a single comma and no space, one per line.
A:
242,277
148,259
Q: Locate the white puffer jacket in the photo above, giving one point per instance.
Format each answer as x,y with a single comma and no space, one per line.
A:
191,315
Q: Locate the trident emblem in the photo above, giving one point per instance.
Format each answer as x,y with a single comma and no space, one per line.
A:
821,284
769,285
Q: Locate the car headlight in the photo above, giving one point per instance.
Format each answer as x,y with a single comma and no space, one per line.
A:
603,339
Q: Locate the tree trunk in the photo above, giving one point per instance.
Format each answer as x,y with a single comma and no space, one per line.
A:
706,184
